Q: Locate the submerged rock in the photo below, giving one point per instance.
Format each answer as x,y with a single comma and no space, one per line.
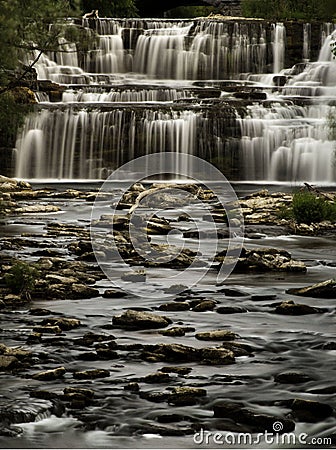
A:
325,289
91,374
291,378
140,320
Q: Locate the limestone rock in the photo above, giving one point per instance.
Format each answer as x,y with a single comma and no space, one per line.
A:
91,374
325,289
216,335
140,320
290,308
310,411
49,375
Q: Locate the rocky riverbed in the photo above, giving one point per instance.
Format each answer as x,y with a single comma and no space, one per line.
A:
84,363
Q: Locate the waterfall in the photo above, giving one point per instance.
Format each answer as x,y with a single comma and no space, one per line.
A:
189,87
279,39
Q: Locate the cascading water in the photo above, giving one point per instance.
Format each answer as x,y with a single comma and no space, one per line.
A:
153,85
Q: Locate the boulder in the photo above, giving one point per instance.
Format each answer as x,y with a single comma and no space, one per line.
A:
8,362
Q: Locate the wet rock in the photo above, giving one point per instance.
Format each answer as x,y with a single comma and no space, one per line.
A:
175,306
177,331
133,387
230,292
71,391
178,370
238,349
34,338
230,310
186,396
134,277
56,279
63,323
216,356
8,362
291,378
156,397
216,335
140,320
290,308
48,375
265,260
170,353
91,374
310,411
89,338
171,418
40,312
114,293
106,353
81,291
52,329
158,377
44,395
257,422
37,209
325,289
205,305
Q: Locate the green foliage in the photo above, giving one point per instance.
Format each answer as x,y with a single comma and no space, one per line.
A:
290,9
115,8
12,115
308,208
21,278
190,11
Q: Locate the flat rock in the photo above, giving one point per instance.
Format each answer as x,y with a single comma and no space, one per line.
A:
216,356
63,323
216,335
49,375
140,320
325,289
114,293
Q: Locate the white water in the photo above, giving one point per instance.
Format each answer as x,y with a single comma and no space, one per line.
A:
88,136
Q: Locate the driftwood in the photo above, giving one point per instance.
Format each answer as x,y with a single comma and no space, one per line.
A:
316,191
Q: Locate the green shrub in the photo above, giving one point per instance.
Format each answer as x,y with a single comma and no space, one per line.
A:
308,208
21,279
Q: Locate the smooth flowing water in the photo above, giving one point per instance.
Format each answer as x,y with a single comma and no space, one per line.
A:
216,89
